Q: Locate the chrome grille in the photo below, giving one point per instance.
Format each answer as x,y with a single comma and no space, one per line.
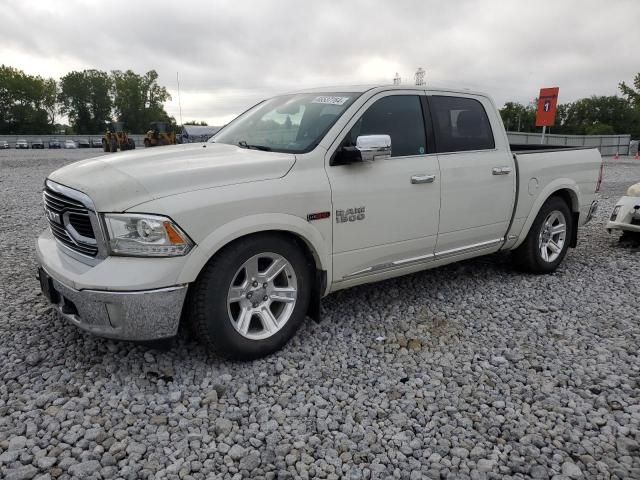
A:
70,222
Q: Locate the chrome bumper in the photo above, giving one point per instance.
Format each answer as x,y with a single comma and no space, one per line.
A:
141,315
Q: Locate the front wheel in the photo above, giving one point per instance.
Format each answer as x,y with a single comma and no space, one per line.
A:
548,239
251,297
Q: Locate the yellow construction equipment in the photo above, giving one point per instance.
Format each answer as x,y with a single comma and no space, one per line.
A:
116,138
160,133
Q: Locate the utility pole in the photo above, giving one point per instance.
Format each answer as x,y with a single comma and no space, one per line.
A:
397,80
420,73
179,102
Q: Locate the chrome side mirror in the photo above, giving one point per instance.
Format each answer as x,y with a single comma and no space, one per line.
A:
374,147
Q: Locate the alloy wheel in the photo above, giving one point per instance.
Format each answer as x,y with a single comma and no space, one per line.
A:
262,296
552,236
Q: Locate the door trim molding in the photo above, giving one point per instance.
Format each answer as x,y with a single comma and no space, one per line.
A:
467,248
390,265
411,261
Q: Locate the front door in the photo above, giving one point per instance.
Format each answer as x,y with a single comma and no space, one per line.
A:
385,212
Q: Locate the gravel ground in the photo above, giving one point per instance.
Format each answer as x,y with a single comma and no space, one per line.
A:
468,371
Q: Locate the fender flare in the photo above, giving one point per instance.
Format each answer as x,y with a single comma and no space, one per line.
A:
549,190
243,226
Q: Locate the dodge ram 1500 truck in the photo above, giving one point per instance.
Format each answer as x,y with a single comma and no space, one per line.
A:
302,195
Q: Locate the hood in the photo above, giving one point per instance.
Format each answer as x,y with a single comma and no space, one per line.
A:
120,181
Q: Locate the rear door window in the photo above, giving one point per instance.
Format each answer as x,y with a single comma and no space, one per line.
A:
460,124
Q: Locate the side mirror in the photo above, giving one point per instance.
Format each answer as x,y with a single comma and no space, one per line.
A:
368,148
372,147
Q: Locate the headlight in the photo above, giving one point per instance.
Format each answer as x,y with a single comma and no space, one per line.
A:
614,214
143,235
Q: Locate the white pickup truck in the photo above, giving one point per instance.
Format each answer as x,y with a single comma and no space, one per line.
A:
302,195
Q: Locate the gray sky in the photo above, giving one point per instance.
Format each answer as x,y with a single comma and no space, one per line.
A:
231,54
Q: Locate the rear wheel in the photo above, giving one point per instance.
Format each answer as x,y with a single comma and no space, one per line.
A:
105,146
147,143
251,297
132,144
114,146
548,239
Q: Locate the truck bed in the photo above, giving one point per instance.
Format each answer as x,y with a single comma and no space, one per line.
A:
543,171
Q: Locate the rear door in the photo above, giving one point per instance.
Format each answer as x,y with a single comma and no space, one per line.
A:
478,181
386,211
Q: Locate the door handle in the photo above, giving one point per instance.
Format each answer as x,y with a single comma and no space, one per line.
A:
415,179
501,170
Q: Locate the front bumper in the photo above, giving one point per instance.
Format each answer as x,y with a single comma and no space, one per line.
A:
628,216
141,316
125,298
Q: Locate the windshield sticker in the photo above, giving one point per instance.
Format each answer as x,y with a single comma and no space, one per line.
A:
331,100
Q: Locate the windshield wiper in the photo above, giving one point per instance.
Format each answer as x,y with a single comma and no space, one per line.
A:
244,144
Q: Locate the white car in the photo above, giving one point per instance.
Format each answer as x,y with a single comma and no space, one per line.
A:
70,144
626,213
302,195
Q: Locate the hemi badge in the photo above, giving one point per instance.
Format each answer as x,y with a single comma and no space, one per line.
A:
318,216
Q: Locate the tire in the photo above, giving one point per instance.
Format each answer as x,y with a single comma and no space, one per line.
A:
105,147
147,143
224,302
546,235
132,144
114,146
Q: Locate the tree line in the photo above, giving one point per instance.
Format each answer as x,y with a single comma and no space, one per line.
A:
595,115
90,99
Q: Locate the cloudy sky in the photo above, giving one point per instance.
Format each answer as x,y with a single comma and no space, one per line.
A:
231,54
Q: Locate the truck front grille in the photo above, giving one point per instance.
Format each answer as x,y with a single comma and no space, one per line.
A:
70,222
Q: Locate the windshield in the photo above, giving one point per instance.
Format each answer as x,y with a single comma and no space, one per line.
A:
291,123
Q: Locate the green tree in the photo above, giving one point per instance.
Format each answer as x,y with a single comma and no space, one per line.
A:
518,118
596,115
85,98
600,129
632,94
50,99
139,99
195,122
23,102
